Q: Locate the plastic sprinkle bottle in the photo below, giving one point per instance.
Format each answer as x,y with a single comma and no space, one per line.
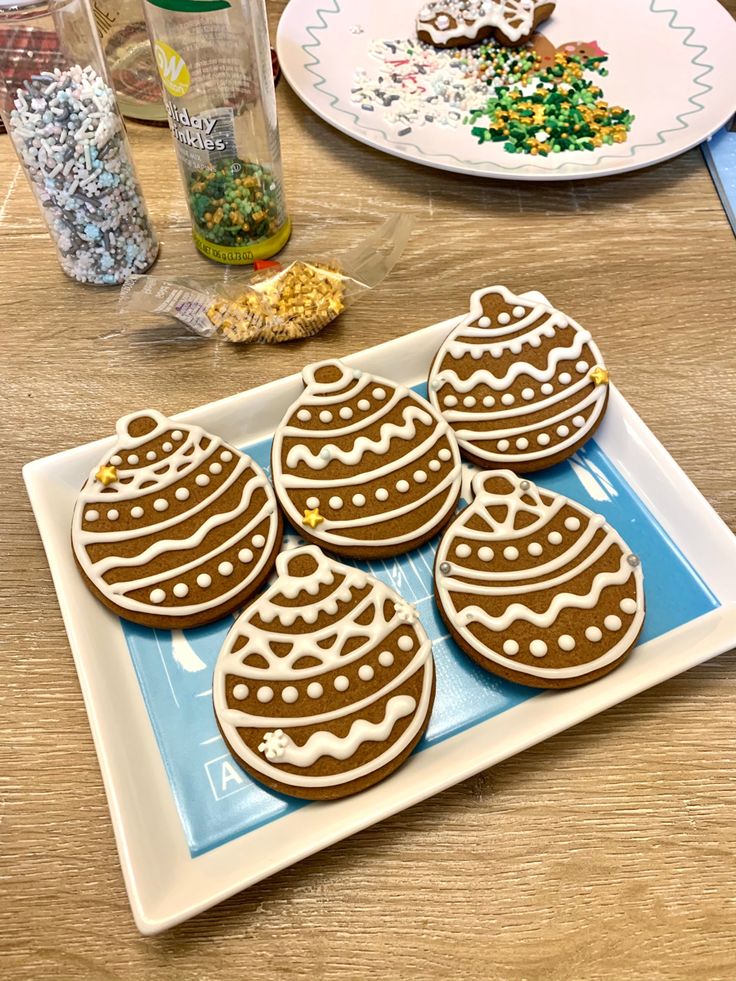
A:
60,111
214,61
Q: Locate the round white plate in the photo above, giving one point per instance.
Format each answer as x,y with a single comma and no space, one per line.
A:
671,62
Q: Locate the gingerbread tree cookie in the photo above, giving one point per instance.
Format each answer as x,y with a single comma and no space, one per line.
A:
459,23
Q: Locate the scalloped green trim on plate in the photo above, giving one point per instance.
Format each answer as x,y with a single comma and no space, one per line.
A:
527,166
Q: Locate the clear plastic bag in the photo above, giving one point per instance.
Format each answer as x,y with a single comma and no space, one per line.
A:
278,303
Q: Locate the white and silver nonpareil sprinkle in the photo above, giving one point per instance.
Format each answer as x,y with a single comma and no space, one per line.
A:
70,138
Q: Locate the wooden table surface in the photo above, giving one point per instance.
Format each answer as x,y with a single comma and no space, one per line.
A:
604,853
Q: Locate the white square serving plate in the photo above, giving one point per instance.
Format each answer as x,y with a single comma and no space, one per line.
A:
165,884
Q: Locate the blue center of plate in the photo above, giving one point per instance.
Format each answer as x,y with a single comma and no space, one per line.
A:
217,801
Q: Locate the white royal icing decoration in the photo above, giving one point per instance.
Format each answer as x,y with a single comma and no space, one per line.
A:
513,434
310,464
316,654
149,488
499,498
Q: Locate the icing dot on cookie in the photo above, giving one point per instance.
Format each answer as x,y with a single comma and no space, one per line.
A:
314,689
612,622
116,460
405,643
151,455
385,659
503,445
484,322
488,401
180,590
534,548
136,512
563,431
572,523
581,367
304,415
434,465
379,393
522,443
364,405
485,553
91,515
181,493
578,421
365,672
381,494
215,468
157,596
341,683
245,555
289,694
225,568
335,503
312,502
226,456
325,416
518,312
463,551
445,454
160,504
469,401
259,541
264,694
420,476
565,378
346,412
204,580
527,393
450,401
547,389
504,318
496,351
554,538
508,399
240,692
593,634
113,514
511,553
359,500
133,458
543,439
566,642
177,435
201,480
628,605
538,648
510,647
402,486
167,447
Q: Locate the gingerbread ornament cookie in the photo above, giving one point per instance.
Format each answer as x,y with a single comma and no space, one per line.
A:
460,23
521,383
325,683
362,465
174,528
535,587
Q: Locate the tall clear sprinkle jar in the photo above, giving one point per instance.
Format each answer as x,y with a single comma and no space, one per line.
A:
60,111
214,61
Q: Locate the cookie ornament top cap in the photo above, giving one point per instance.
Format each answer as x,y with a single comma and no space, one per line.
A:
174,526
362,464
324,679
521,383
537,585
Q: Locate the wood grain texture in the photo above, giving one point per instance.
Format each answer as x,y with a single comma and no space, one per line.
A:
604,853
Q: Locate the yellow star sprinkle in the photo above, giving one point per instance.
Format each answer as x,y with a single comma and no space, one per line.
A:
599,375
106,475
312,517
